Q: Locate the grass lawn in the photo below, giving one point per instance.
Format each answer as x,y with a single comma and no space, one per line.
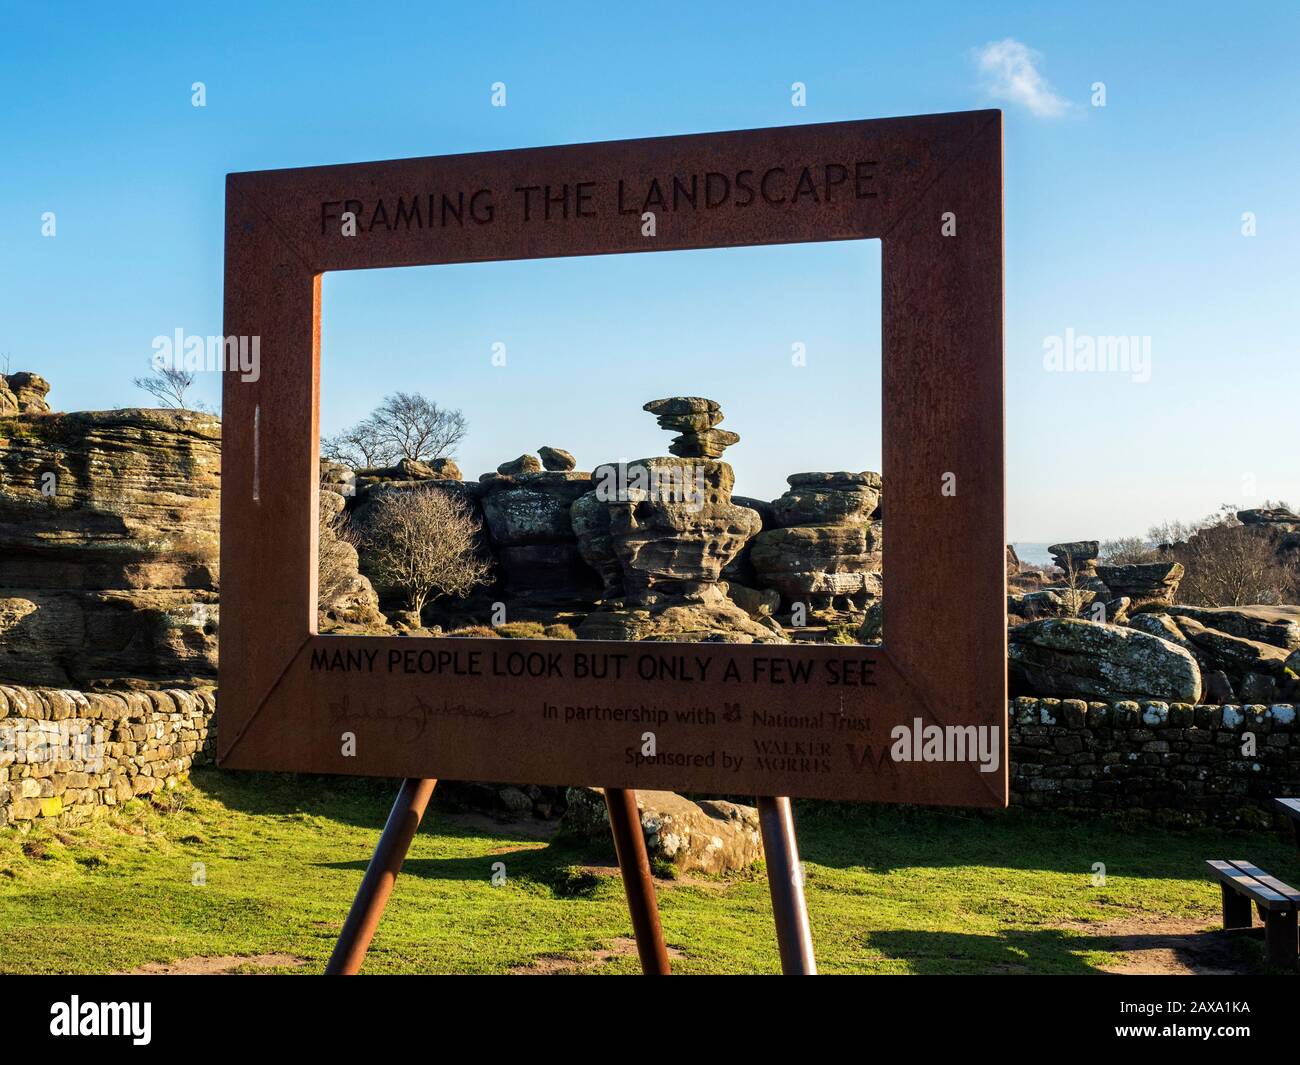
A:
890,890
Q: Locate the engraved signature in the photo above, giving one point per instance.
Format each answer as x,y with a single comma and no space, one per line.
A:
414,720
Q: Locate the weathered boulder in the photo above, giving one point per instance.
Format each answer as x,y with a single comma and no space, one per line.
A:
1143,583
704,615
523,464
1072,658
710,836
338,478
108,546
556,459
827,499
1233,654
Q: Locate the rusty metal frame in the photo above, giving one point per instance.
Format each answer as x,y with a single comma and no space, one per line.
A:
944,573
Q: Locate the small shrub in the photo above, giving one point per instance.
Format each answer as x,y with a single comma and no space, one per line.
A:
475,630
559,632
522,630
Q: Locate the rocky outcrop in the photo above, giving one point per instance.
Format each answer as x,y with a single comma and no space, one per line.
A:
108,546
1242,651
1072,658
709,836
532,535
825,549
346,600
1143,583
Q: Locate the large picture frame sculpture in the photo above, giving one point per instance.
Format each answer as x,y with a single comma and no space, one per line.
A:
930,189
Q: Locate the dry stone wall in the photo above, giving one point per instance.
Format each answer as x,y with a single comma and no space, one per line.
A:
68,755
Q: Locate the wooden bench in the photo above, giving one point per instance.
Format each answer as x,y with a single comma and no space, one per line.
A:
1291,808
1243,883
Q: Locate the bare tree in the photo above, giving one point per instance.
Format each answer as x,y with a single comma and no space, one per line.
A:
1128,550
418,427
361,447
426,543
405,426
168,385
1230,564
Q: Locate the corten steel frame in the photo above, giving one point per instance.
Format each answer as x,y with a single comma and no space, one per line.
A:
896,180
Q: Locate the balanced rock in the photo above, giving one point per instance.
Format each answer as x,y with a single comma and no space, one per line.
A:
709,836
695,419
1075,659
556,459
1077,554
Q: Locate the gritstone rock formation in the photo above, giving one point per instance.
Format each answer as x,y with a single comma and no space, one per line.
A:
659,532
108,544
825,549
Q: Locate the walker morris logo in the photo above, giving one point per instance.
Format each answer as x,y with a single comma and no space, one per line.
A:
79,1018
947,743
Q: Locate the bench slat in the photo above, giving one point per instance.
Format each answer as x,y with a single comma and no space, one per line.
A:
1269,881
1290,807
1243,882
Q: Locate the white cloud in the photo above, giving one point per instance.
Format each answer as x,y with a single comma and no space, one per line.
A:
1010,71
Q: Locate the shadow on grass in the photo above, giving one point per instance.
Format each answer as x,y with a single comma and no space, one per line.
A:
883,839
1061,953
559,868
359,802
879,839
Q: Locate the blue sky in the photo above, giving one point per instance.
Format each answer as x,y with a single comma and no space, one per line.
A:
1121,221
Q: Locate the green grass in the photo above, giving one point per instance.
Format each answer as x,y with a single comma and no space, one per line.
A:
890,890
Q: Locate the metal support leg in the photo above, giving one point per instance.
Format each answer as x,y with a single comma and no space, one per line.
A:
634,864
377,885
785,881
